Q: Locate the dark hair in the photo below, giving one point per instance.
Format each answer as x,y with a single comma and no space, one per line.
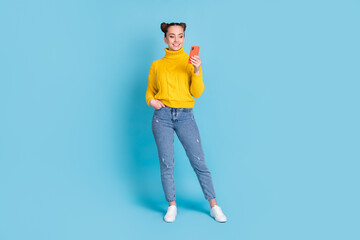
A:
164,26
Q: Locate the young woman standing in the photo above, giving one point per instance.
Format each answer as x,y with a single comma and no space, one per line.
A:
172,84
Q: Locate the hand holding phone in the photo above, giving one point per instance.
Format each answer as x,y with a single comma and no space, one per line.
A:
194,51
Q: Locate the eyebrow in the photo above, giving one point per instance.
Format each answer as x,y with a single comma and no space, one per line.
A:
174,33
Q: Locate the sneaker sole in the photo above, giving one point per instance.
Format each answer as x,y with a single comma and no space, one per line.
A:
169,221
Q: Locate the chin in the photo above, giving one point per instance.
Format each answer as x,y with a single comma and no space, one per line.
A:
173,47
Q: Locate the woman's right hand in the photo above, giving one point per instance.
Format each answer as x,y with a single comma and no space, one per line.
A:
157,104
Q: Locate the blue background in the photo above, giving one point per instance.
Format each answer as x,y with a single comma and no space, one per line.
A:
279,120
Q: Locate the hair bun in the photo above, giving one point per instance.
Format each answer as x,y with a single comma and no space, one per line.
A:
183,25
163,27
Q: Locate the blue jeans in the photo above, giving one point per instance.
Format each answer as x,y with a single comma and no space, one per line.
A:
165,121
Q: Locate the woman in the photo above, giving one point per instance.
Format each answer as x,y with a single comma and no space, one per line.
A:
172,84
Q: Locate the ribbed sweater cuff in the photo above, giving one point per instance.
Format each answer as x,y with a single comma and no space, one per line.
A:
197,76
148,102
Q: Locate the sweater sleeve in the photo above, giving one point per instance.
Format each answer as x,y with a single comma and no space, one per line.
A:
151,90
197,85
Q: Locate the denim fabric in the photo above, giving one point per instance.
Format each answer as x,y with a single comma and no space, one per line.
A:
165,122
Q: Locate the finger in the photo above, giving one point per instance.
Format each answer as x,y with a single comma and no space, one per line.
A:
196,58
196,64
162,104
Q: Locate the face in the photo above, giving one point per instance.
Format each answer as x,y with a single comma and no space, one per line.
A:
175,37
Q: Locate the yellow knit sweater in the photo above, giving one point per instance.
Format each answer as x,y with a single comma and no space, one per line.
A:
173,80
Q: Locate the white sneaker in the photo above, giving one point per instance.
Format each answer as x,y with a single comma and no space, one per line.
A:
171,214
216,213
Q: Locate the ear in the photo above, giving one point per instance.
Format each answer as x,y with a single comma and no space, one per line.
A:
165,40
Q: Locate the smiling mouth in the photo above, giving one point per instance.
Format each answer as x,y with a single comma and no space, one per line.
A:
176,45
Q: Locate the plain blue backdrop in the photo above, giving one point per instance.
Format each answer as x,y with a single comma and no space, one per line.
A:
279,120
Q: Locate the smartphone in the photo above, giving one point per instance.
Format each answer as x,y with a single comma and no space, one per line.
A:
194,51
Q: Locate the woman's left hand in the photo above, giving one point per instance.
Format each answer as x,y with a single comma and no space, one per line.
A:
196,61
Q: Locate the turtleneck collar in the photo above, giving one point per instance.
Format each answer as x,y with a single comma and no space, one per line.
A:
175,54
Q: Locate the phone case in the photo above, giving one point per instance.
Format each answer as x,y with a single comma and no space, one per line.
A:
194,51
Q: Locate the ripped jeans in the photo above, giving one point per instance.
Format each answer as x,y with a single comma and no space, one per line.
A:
165,121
